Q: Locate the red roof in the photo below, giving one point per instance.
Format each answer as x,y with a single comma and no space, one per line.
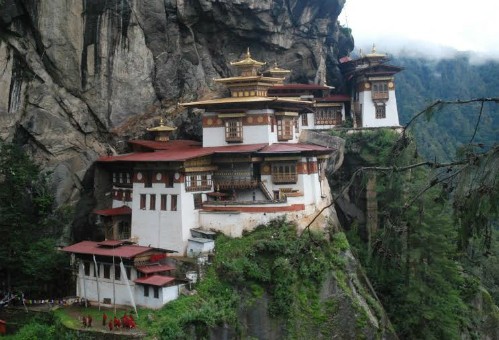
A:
172,155
155,280
94,248
123,210
181,153
155,269
111,243
335,98
293,148
156,145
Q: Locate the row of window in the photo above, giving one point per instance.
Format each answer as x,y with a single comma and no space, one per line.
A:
104,271
122,178
328,116
163,202
285,127
155,292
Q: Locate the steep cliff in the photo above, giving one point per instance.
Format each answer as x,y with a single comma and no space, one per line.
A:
75,71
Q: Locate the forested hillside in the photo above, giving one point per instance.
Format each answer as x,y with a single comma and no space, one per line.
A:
424,81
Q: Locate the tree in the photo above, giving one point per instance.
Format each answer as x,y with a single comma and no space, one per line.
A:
28,258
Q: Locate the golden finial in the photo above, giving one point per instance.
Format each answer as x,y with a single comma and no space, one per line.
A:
161,122
248,54
373,50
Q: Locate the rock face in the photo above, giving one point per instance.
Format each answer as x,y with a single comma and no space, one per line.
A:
73,71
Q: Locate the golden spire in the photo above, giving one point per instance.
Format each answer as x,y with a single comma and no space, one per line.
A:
373,50
248,54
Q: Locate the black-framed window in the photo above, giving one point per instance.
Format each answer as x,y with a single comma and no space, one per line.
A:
146,291
117,273
156,292
380,110
163,202
107,271
152,202
86,268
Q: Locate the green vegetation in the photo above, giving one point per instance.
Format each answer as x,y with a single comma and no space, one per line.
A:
29,228
413,258
272,263
424,81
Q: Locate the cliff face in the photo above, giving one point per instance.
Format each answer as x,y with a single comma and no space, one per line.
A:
74,70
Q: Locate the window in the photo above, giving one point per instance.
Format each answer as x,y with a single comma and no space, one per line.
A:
96,270
198,201
142,201
163,202
86,268
156,292
152,202
284,173
173,203
234,130
128,272
198,182
117,273
285,127
124,230
328,116
107,271
380,110
146,291
379,90
304,119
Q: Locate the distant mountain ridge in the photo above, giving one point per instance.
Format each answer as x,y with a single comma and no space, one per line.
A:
424,81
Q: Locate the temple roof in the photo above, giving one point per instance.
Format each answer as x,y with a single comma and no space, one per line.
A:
236,100
124,210
248,61
97,248
155,280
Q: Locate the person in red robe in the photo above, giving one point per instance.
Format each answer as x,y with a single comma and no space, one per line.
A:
89,320
104,319
110,325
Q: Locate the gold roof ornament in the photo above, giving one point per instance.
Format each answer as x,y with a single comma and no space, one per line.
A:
248,61
277,70
162,131
374,53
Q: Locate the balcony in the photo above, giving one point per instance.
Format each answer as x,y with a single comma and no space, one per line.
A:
284,178
235,183
379,95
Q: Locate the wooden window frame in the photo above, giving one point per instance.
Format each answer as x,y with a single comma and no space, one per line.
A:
379,90
198,182
304,119
380,110
284,173
285,128
156,292
143,200
198,201
233,130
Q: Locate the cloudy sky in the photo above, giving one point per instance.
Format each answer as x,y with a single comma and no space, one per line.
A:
423,25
